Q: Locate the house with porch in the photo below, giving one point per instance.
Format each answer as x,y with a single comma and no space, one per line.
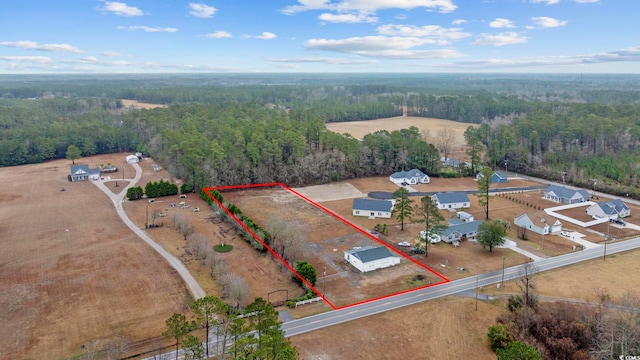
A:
612,209
459,230
370,258
372,208
496,178
410,177
451,200
82,172
561,194
543,226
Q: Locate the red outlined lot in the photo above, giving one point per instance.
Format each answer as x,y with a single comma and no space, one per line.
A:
222,189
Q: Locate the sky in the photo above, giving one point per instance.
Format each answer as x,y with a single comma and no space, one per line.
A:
410,36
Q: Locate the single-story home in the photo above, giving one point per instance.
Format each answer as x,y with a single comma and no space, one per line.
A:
372,208
451,200
496,177
543,226
459,230
82,172
612,209
132,159
561,194
454,163
370,258
410,177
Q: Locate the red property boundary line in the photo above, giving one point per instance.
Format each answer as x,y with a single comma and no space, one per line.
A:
283,186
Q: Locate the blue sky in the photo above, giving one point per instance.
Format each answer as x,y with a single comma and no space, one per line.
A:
169,36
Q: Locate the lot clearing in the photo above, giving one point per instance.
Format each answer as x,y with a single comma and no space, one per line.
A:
428,126
73,276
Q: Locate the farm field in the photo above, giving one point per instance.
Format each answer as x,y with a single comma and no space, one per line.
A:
141,105
74,278
324,238
431,126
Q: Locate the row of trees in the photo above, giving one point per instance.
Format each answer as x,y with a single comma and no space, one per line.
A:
251,333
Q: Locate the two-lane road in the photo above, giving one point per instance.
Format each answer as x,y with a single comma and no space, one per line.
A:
311,323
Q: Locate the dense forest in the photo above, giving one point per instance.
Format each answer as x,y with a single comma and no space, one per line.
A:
232,129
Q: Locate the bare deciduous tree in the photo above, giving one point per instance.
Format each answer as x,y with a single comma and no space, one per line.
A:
235,288
444,141
527,286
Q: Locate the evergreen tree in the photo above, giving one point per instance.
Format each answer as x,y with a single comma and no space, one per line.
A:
402,208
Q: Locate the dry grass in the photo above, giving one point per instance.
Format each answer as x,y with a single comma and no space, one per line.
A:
141,105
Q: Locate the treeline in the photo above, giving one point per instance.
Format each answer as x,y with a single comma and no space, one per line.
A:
234,143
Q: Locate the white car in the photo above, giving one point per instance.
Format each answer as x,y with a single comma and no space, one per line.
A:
564,233
404,243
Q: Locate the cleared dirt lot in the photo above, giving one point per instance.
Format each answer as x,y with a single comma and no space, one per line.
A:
71,273
141,105
430,126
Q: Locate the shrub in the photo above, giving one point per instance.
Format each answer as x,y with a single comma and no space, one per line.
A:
499,337
223,248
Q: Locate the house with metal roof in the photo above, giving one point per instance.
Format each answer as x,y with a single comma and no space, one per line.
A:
372,208
410,177
82,172
612,209
459,230
496,177
370,258
561,194
451,200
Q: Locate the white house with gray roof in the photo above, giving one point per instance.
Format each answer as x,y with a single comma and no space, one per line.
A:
451,200
561,194
609,209
82,172
410,177
459,230
370,258
372,208
543,226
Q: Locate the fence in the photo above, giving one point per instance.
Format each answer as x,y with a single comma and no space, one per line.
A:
303,302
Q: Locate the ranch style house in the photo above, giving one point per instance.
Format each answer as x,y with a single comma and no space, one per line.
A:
542,227
82,172
459,230
496,177
451,200
372,208
411,177
609,209
370,258
561,194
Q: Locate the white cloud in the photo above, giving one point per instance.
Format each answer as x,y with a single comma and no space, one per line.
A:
219,35
548,2
28,59
369,6
507,38
148,28
202,10
458,22
548,22
122,9
266,36
439,34
501,23
32,45
586,1
111,53
348,18
324,60
381,46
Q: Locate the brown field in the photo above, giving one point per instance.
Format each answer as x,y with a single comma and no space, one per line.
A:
141,105
430,126
72,274
325,240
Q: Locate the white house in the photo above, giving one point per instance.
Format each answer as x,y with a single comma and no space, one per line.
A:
609,209
459,230
451,200
464,216
411,177
132,159
370,258
563,195
372,208
82,172
543,226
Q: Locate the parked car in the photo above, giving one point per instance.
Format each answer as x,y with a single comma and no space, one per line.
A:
417,250
196,209
619,221
404,243
564,233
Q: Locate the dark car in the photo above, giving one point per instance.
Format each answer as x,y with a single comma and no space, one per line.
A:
415,250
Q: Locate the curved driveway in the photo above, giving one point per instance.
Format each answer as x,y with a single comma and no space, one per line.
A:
117,199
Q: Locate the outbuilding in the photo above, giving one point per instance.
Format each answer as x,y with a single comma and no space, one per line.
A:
131,159
370,258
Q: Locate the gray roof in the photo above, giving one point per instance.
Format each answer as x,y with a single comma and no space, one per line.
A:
500,174
82,169
408,174
565,193
616,206
371,253
462,227
453,162
373,205
451,197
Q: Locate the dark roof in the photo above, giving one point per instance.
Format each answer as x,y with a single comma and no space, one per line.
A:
370,253
565,193
451,197
373,205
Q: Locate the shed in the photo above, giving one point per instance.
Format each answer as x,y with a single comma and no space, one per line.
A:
370,258
132,159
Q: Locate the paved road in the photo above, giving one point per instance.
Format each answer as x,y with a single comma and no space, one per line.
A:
385,195
311,323
117,200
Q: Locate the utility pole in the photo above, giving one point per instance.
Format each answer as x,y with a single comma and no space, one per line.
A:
503,259
476,292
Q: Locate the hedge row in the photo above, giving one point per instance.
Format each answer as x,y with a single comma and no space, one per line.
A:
309,295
